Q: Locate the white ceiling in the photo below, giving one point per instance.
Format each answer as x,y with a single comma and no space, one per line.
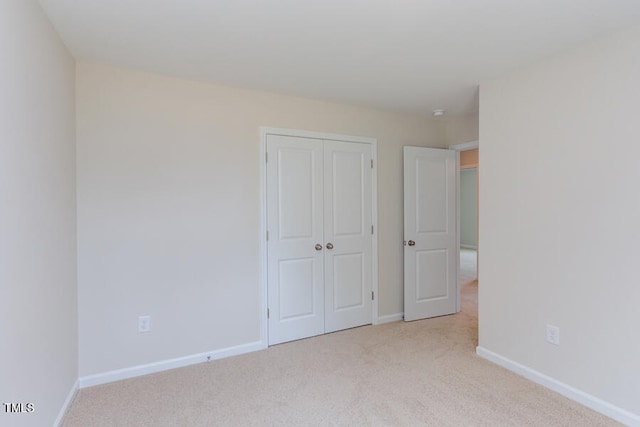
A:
404,55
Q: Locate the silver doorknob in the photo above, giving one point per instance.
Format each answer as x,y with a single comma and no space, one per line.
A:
318,247
329,245
412,243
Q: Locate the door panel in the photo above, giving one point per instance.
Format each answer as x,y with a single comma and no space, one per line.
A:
431,275
348,268
295,271
348,220
431,195
295,202
347,193
430,222
296,288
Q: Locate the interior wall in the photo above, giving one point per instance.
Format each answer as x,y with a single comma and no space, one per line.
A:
461,129
559,231
169,213
468,208
38,305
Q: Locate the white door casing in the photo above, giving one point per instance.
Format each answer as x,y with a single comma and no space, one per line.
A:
318,193
430,232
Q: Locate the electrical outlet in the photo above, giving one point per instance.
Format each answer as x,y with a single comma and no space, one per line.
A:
144,323
553,334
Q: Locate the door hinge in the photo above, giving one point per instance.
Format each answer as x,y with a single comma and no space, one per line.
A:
372,229
371,163
267,313
372,295
267,235
266,157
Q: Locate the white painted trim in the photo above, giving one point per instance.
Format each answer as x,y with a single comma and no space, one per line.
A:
458,233
317,135
374,241
264,131
67,404
164,365
388,318
566,390
465,146
262,281
468,246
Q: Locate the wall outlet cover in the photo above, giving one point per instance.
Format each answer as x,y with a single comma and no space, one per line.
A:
553,334
144,323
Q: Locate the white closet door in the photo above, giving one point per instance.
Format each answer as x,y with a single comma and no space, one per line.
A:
347,234
295,247
430,230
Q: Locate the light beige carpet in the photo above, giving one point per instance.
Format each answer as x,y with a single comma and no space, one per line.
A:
468,266
397,374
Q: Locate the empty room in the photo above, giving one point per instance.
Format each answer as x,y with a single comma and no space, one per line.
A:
249,213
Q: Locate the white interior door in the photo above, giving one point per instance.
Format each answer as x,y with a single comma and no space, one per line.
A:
320,236
347,234
430,232
295,256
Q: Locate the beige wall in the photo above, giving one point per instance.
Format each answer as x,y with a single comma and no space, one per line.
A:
168,209
38,310
461,129
560,231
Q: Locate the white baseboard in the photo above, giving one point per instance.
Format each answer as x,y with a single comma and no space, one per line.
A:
67,404
468,246
390,318
164,365
572,393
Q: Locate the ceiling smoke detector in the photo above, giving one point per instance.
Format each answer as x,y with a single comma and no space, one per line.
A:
438,113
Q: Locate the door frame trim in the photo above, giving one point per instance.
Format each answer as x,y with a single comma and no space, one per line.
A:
465,146
264,131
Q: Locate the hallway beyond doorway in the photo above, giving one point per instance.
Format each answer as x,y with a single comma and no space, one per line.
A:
468,267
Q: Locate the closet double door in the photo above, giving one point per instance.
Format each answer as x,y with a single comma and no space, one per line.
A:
320,236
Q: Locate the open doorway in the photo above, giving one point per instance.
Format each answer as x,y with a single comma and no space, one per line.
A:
468,225
468,213
469,165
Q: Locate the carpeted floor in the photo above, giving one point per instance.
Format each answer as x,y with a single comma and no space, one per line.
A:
468,266
398,374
